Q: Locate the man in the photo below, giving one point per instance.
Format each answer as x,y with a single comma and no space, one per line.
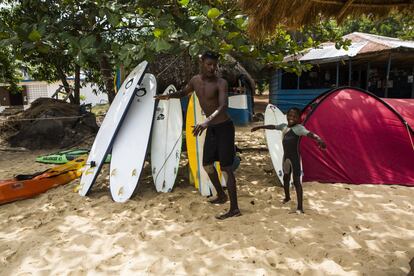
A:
219,143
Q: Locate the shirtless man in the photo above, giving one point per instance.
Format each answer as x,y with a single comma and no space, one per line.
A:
219,143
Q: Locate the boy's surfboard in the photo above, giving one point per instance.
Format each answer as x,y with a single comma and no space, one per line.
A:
273,116
130,146
109,128
166,142
195,145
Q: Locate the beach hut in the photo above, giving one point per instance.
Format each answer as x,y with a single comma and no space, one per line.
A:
379,64
369,139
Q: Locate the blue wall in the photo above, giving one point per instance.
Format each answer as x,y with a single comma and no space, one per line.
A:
287,98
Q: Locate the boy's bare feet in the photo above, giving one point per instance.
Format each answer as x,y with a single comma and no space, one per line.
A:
286,200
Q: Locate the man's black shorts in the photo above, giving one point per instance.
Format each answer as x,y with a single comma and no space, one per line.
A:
219,144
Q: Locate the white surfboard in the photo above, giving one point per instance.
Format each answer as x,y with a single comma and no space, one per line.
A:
109,128
273,116
166,142
130,146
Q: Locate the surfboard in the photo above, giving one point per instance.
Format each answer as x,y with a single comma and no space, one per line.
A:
273,116
195,145
166,141
130,146
109,128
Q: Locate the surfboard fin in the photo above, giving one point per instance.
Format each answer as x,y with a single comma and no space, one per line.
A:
77,188
120,191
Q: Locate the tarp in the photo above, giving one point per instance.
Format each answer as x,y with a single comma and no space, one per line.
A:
368,139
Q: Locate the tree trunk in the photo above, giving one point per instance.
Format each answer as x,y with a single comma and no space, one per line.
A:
188,66
76,92
65,83
106,72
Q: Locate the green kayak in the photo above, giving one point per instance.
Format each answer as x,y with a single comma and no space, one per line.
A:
63,157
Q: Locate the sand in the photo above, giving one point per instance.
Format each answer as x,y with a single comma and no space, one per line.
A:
346,230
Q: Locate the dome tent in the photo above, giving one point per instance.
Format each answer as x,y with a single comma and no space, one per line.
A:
369,139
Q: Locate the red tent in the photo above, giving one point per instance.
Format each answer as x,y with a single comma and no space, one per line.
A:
369,139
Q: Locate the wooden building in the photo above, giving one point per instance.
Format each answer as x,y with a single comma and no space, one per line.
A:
381,65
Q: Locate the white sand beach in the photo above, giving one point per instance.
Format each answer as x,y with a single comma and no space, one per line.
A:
346,230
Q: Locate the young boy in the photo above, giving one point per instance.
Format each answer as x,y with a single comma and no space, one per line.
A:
291,158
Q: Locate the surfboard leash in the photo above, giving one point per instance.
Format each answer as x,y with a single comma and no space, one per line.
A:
166,159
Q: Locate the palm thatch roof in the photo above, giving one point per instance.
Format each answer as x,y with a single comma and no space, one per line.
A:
264,15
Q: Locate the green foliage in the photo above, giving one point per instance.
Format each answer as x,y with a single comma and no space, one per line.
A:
397,24
213,13
53,36
8,70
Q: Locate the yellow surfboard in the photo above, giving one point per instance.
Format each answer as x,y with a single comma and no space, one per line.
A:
198,175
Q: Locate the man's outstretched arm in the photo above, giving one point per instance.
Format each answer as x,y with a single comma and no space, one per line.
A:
179,94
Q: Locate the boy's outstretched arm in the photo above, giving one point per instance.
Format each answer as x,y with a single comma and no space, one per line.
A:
318,139
263,127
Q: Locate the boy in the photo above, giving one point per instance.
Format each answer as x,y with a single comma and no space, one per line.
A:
291,158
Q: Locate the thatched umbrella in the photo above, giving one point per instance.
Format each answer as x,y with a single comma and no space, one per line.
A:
264,15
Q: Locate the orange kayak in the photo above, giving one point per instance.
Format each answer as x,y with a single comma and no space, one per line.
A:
27,186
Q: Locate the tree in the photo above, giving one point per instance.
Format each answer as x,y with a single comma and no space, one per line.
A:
396,24
58,38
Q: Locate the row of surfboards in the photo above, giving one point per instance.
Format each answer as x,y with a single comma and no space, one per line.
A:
126,130
132,122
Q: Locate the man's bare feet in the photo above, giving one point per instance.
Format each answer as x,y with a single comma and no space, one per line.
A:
219,200
229,214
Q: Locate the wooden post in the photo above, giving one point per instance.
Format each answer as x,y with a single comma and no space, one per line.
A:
343,10
279,78
368,69
337,74
349,72
298,86
387,77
